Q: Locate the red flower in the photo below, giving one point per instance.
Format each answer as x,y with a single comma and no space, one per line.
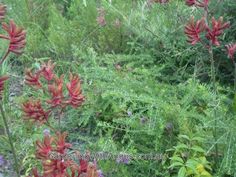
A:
83,165
199,3
193,30
217,30
32,79
47,70
61,144
55,167
87,169
2,11
16,36
231,49
2,80
75,93
44,148
56,90
33,111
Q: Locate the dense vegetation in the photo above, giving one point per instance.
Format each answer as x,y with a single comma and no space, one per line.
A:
146,89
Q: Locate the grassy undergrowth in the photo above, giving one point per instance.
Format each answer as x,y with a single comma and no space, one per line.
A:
146,91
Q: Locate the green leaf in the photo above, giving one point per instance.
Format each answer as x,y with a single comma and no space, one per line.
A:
176,164
176,158
192,164
182,172
199,139
184,137
181,146
198,149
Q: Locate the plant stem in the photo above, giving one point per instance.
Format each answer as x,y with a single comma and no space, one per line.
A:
4,57
213,79
234,78
10,139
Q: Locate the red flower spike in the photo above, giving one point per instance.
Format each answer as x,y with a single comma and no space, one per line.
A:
75,93
33,111
56,90
231,49
83,164
2,80
193,30
216,31
61,145
44,148
47,70
32,79
58,168
55,168
3,9
16,36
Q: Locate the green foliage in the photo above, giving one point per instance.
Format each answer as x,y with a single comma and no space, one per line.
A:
189,157
146,90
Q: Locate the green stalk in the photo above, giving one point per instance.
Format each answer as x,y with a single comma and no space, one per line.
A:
10,139
234,78
213,79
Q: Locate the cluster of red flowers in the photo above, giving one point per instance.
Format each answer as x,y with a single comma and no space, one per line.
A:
53,86
59,166
16,36
231,49
193,30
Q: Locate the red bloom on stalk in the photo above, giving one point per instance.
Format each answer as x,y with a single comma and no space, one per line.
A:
199,3
61,144
231,49
217,29
47,70
3,9
33,79
88,169
33,110
75,93
16,36
193,30
2,80
55,167
44,148
56,91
